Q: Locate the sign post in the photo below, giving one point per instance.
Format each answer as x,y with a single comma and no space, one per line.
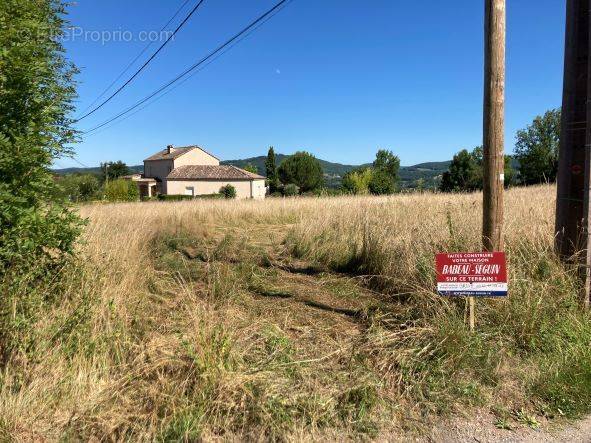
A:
472,274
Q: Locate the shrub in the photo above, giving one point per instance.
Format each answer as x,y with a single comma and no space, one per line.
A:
174,197
79,187
228,191
290,190
356,182
182,197
121,191
37,228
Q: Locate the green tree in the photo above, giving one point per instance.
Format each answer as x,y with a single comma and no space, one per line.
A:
536,149
464,173
251,168
271,171
478,155
357,181
381,183
510,175
387,163
386,173
420,184
121,191
37,228
114,170
302,169
80,187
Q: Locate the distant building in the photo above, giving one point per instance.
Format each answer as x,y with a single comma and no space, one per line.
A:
193,171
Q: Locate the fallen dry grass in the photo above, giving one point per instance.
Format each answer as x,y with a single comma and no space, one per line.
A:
293,319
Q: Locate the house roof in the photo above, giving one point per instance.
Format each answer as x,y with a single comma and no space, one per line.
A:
210,172
176,153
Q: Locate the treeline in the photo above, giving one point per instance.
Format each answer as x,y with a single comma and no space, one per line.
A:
107,185
302,173
535,159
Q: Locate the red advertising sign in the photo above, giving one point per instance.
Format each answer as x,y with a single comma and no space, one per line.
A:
472,274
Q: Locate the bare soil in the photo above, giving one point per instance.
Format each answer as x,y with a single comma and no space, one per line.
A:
480,428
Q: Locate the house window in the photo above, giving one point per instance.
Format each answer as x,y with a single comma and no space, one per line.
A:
190,190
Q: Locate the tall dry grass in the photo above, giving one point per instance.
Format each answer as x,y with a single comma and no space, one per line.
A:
142,344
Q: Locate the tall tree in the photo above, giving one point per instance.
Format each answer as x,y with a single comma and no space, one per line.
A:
302,169
114,170
37,229
464,174
386,168
388,162
271,171
536,149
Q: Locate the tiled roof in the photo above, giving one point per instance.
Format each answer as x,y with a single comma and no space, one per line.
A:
210,172
176,152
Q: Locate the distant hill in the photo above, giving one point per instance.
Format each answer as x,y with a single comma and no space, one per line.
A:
333,171
329,168
95,170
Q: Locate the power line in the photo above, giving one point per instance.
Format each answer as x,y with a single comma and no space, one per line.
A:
145,64
79,162
150,43
212,54
95,131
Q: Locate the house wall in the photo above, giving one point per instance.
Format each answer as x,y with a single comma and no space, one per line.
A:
259,190
244,188
196,157
158,169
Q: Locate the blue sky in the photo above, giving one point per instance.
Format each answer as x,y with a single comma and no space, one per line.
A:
338,78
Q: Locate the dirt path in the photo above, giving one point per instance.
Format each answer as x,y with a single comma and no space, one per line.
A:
481,429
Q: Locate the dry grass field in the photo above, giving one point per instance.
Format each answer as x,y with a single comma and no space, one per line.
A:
293,319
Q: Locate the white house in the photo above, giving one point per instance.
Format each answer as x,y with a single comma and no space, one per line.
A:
193,171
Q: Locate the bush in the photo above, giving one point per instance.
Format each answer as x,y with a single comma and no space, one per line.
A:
381,183
121,191
228,191
290,190
79,187
356,182
174,197
37,228
182,197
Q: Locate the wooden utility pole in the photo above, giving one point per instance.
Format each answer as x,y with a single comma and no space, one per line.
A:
494,124
493,131
572,204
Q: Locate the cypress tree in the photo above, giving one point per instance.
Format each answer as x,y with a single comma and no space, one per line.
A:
271,171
